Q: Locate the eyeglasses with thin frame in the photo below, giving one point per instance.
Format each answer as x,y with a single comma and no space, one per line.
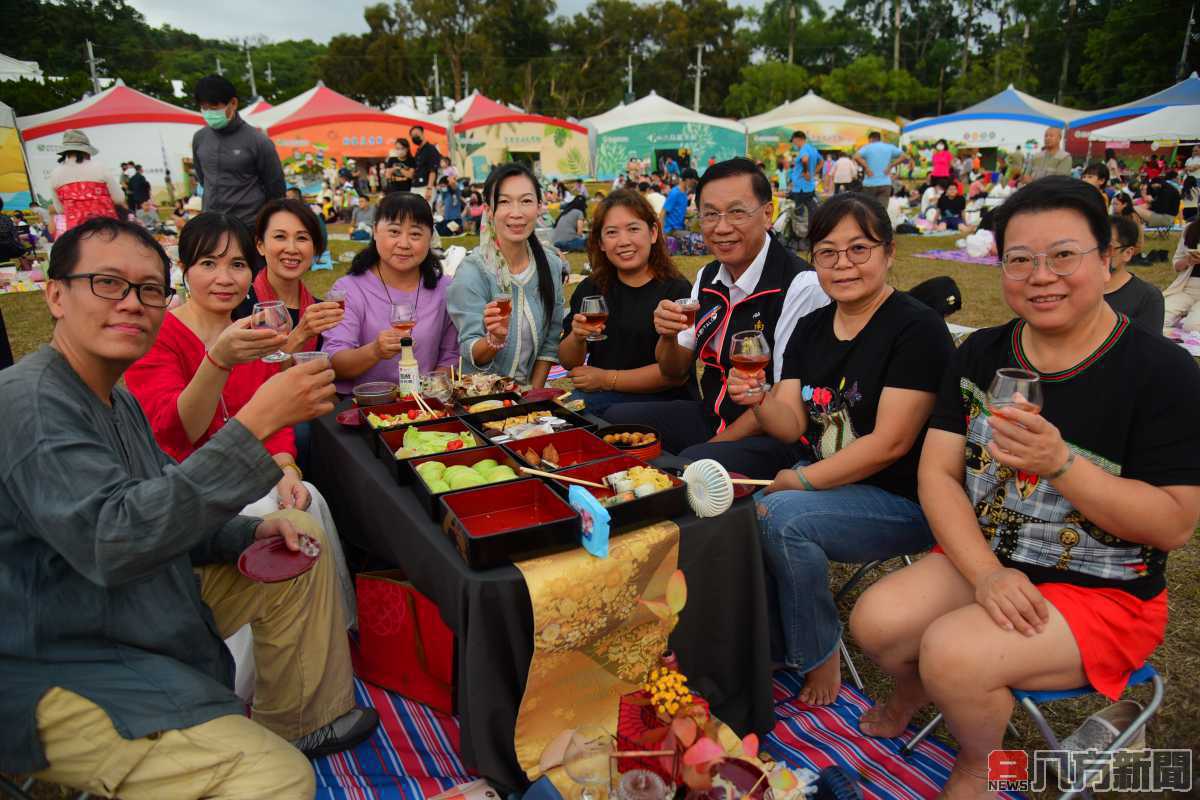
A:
1019,264
736,217
114,287
858,253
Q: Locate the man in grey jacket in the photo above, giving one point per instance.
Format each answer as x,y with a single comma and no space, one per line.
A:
235,162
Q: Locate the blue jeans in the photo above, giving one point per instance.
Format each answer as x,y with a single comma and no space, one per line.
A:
600,401
802,532
575,245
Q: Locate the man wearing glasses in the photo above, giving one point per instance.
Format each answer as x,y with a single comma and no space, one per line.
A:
755,284
116,563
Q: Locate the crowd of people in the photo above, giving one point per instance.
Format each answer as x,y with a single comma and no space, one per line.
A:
160,438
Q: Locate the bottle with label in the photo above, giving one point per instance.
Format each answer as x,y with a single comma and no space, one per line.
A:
410,371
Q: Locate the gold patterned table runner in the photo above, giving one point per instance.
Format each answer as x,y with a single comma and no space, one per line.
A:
593,641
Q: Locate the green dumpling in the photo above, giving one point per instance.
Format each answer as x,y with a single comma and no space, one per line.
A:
503,472
431,469
438,486
466,480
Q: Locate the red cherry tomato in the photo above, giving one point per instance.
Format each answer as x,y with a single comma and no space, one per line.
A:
413,413
455,444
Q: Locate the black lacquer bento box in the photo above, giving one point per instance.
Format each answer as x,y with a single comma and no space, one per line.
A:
488,422
421,484
636,513
495,525
572,447
388,442
401,408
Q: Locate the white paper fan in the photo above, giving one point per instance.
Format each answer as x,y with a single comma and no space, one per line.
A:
709,487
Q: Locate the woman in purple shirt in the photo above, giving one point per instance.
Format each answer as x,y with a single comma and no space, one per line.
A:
396,267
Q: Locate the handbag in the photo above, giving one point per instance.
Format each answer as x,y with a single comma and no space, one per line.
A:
403,645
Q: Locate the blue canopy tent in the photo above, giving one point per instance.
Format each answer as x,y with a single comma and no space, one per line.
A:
1008,120
1184,93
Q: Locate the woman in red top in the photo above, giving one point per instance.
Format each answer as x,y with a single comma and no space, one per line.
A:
204,367
288,235
941,161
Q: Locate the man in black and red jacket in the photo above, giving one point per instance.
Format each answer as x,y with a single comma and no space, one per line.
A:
755,283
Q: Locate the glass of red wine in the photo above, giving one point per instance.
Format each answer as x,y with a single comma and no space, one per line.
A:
595,310
336,296
504,303
688,306
749,353
403,318
1015,387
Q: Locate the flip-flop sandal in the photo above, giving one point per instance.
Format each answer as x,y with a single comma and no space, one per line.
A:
838,783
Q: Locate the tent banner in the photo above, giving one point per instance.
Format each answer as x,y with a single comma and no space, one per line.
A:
767,143
616,147
555,151
14,178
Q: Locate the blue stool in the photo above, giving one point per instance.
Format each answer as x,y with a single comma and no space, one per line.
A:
1031,700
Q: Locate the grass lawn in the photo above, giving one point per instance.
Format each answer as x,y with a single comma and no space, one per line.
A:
1178,659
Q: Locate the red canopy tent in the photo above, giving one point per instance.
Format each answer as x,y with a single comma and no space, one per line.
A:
488,132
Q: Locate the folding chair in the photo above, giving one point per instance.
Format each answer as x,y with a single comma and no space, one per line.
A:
11,790
847,587
1031,701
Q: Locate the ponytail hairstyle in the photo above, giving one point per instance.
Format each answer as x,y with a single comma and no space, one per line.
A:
401,207
491,194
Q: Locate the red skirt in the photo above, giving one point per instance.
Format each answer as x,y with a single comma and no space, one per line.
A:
1115,631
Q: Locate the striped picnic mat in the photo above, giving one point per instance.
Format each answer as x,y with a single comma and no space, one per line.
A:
414,753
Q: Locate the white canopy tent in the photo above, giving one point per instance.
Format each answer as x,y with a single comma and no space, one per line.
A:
1170,124
652,125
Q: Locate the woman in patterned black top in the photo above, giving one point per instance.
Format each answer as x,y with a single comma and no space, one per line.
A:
1052,527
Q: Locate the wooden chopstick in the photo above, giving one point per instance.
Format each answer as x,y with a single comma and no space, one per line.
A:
751,481
562,478
421,404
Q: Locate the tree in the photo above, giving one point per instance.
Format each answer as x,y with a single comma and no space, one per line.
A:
869,85
1117,64
765,86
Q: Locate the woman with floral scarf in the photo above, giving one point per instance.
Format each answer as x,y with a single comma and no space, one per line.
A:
522,344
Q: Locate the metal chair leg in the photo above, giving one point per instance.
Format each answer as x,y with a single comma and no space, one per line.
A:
920,735
850,665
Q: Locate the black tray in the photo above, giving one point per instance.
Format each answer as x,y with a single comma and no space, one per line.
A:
470,401
477,421
494,525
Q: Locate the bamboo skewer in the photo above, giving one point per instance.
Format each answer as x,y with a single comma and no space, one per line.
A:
751,481
640,753
562,478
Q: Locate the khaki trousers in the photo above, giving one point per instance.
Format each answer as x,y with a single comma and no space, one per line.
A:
305,680
1183,306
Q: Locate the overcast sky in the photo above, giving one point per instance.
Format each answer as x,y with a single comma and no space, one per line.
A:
298,19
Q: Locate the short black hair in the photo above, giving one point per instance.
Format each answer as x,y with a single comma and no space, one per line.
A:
1128,231
297,208
420,128
203,234
798,135
64,254
401,207
870,215
1098,169
873,136
731,168
214,90
1052,193
689,174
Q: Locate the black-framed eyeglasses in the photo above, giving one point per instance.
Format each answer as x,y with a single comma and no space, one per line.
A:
114,287
736,217
827,257
1019,264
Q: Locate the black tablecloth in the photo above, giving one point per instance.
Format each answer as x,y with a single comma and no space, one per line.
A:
721,639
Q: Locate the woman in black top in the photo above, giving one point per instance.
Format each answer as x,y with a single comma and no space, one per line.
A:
399,168
858,383
632,270
1126,292
1053,523
951,207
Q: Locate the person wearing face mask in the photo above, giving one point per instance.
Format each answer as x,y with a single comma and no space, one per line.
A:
427,160
941,160
235,162
509,260
397,267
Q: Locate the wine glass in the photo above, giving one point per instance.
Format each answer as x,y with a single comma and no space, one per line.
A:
273,315
336,296
587,761
403,318
749,353
595,310
1015,387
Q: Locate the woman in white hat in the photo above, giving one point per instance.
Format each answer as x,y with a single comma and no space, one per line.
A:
83,188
